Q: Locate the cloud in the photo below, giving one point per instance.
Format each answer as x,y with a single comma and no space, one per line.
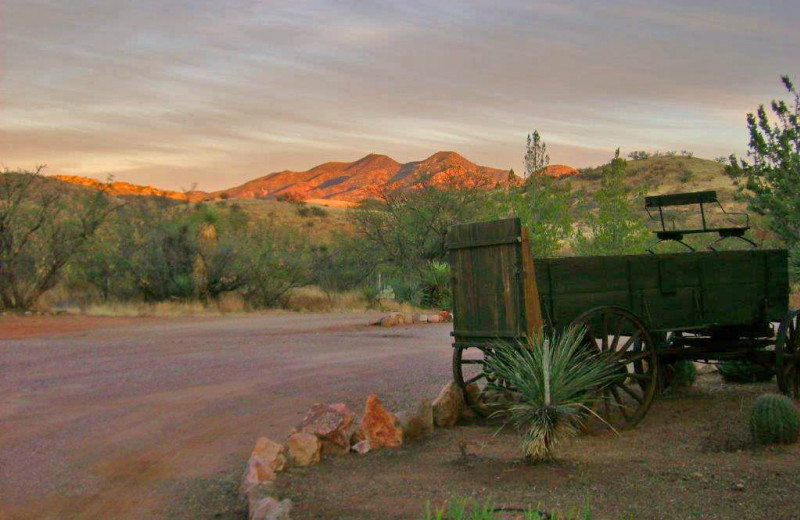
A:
220,92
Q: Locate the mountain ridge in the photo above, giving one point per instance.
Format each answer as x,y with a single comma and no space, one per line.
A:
350,182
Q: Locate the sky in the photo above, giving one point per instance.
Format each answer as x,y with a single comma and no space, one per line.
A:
209,93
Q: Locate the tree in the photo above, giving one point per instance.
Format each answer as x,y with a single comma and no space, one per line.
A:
405,229
543,205
42,229
536,158
770,180
615,227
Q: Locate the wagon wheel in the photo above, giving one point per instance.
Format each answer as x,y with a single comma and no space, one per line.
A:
787,350
467,369
621,334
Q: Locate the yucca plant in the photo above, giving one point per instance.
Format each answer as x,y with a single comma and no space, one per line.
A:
555,380
435,283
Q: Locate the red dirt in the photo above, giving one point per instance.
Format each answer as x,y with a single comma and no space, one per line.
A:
137,419
671,467
18,327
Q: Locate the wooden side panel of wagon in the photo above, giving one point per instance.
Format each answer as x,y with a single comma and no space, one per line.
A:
669,292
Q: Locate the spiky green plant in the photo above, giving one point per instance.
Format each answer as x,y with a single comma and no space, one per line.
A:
774,420
555,380
435,283
744,372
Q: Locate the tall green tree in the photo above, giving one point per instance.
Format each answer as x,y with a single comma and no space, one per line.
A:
769,179
542,204
615,226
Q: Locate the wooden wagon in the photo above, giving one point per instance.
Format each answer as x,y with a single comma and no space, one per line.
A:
651,309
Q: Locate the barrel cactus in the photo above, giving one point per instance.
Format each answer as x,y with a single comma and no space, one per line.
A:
744,372
774,420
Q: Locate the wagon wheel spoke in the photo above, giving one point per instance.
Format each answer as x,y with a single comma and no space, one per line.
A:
606,407
640,377
604,337
472,362
633,357
591,335
617,334
473,379
631,393
631,339
620,403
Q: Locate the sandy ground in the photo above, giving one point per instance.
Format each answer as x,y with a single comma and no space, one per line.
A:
138,417
688,459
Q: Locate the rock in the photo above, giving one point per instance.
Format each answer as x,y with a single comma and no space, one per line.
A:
266,461
418,423
304,448
434,318
332,424
739,486
408,318
476,398
420,318
446,316
388,321
379,426
270,508
447,406
362,447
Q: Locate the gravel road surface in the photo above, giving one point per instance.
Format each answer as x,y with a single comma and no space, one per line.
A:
108,420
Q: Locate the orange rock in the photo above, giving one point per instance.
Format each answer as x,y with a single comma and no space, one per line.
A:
447,406
332,424
266,461
304,448
380,427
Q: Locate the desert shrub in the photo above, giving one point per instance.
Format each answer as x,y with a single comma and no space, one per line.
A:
276,261
744,372
638,155
306,211
683,374
403,230
340,265
774,420
555,379
407,289
687,153
435,286
42,229
685,174
371,295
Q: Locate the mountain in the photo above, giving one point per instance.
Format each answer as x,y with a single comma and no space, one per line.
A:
331,183
365,178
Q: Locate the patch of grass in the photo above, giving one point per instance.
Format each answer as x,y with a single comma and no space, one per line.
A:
744,372
471,509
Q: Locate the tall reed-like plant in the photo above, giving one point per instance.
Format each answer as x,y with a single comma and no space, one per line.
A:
555,381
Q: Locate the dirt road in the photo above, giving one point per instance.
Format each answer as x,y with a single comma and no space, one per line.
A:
108,420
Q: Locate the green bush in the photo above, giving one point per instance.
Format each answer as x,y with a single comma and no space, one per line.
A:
556,379
435,284
744,372
684,374
774,420
311,211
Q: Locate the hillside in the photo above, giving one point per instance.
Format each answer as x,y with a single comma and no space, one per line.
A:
337,184
659,175
365,178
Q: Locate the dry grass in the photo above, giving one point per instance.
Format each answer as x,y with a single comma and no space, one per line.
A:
314,299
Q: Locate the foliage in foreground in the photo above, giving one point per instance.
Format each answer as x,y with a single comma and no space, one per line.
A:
41,231
774,420
471,509
770,180
555,379
744,372
684,374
